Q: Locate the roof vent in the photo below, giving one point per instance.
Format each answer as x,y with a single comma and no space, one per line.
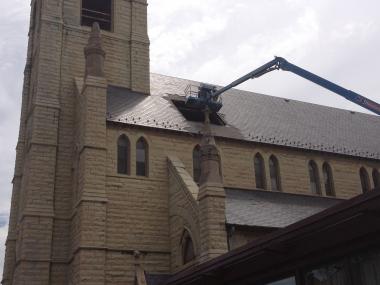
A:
197,115
287,100
352,112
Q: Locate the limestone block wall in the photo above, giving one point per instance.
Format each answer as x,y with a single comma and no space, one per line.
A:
138,214
55,58
238,168
126,46
139,210
237,161
90,206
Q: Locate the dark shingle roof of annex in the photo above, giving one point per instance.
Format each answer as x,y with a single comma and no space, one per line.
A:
259,208
252,117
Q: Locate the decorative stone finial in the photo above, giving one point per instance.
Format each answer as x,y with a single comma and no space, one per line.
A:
210,157
94,53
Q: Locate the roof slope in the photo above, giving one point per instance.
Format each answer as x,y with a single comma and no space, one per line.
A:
253,117
258,208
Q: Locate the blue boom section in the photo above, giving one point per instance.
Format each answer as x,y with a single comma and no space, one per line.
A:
348,94
208,96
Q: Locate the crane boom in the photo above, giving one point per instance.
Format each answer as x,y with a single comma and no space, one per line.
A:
208,96
348,94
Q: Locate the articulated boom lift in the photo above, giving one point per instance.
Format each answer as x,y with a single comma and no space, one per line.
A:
208,97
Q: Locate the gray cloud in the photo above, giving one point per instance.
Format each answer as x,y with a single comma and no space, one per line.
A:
336,39
217,41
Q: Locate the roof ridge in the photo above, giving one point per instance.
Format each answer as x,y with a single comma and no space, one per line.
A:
272,96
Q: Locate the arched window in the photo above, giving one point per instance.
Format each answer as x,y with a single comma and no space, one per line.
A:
197,163
187,245
364,179
328,179
259,171
123,151
274,173
376,178
315,186
142,157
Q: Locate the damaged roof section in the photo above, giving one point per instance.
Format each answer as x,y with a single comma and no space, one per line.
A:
252,117
258,208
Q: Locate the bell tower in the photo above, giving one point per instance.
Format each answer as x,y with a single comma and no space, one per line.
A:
44,206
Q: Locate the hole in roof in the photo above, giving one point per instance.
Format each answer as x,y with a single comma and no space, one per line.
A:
196,115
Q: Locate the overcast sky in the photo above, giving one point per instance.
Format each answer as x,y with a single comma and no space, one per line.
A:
216,41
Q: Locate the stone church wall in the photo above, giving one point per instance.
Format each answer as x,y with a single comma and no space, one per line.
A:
237,161
183,212
138,214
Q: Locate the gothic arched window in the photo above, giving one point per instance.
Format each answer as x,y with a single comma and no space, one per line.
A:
259,171
142,157
123,155
274,171
328,179
315,185
188,253
364,180
376,178
197,163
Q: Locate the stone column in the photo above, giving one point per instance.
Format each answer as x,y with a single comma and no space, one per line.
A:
90,208
211,197
140,71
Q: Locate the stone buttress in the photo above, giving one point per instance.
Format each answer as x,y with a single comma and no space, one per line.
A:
211,198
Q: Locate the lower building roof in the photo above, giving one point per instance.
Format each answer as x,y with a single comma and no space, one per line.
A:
343,229
260,208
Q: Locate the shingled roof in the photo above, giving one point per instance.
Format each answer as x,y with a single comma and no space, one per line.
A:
252,117
256,208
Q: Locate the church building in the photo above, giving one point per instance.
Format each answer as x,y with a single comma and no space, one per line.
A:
117,179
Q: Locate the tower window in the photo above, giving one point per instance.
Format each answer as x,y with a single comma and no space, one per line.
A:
97,11
142,157
376,178
315,186
197,163
328,179
364,179
259,171
274,170
123,150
